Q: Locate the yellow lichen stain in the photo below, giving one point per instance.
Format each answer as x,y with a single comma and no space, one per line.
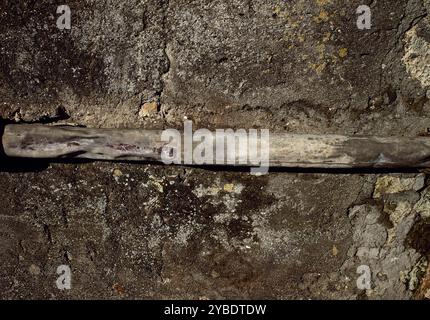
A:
280,12
117,173
229,187
148,109
343,52
214,190
335,251
157,186
323,2
156,183
319,68
322,17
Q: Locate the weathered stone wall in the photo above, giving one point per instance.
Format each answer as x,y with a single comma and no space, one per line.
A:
148,231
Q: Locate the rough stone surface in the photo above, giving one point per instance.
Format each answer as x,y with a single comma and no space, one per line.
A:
148,231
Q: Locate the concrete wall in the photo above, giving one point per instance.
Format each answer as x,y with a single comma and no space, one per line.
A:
148,231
